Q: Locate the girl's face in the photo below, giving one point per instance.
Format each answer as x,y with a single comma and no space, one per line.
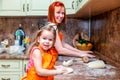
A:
46,39
59,14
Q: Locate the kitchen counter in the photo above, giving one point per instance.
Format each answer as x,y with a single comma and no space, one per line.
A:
15,56
83,72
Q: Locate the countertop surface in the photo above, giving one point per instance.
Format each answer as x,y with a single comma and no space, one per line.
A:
83,72
13,56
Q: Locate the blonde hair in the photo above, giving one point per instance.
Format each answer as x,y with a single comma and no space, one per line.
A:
39,32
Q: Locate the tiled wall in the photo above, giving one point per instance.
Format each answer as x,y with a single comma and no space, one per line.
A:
8,26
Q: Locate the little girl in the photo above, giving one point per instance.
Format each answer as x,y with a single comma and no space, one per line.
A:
43,56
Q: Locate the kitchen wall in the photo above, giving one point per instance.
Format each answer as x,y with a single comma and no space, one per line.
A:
8,25
105,33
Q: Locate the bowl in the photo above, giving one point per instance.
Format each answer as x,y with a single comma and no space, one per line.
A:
84,46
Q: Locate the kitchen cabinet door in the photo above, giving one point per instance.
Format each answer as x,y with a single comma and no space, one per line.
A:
38,7
70,6
10,75
12,7
10,69
25,65
24,7
80,4
10,65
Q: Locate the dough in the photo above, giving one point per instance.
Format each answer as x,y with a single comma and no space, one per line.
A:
68,63
69,70
96,64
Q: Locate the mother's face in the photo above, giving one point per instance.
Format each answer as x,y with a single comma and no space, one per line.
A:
59,14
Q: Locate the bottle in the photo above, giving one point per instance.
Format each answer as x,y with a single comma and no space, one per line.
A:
26,42
20,34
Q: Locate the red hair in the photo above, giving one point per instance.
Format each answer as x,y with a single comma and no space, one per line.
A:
51,15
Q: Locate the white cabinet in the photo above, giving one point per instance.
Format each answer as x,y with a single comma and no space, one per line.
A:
24,7
10,65
12,7
25,64
12,69
80,4
10,75
38,7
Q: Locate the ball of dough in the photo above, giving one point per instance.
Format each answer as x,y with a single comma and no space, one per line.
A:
69,70
96,64
68,63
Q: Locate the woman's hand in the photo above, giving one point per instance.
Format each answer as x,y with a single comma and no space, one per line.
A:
86,53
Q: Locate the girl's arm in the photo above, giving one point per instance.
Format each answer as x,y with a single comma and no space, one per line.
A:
37,58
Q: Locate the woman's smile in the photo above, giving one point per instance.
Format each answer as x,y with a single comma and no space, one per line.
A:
59,14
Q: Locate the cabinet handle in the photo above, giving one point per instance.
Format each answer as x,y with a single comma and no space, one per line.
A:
23,7
25,68
27,7
73,5
5,66
80,0
77,3
5,79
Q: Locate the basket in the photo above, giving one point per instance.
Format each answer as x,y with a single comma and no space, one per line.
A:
80,47
85,48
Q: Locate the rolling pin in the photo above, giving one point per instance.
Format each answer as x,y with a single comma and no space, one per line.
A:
85,59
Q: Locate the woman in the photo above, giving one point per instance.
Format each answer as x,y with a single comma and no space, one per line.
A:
57,15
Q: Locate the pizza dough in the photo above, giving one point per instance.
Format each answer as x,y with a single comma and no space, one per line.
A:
68,63
69,70
96,64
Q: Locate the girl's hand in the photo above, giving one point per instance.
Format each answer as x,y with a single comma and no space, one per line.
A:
60,69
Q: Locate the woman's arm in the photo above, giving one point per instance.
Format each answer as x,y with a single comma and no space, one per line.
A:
85,53
37,58
66,49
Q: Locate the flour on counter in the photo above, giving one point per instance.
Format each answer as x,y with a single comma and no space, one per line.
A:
101,72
